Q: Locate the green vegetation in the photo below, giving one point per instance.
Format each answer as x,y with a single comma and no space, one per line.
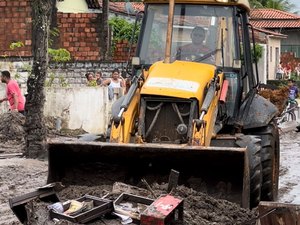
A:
15,45
63,81
54,32
92,83
122,30
284,5
282,83
50,81
59,55
26,67
295,77
258,52
55,55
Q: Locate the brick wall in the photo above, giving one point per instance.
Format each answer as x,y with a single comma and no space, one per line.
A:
121,51
79,34
73,73
15,25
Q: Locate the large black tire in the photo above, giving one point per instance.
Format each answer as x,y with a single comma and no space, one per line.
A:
253,144
270,160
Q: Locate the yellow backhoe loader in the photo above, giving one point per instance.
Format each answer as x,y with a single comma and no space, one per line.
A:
189,108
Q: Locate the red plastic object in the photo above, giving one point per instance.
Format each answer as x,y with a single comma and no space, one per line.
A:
163,211
224,91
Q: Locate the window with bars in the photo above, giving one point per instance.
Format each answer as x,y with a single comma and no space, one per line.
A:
291,48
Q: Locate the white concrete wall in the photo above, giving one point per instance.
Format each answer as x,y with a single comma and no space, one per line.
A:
262,65
272,61
4,107
86,107
72,6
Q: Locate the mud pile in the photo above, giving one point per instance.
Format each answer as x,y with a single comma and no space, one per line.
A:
55,128
199,208
12,126
278,97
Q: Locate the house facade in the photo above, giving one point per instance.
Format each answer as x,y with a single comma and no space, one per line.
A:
78,24
271,43
284,23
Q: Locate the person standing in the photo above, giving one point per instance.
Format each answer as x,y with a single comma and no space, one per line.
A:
293,94
288,70
297,70
196,50
293,90
98,77
13,93
279,71
115,82
90,79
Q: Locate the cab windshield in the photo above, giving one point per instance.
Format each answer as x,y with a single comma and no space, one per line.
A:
200,34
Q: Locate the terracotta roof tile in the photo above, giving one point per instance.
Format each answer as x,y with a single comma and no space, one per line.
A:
137,6
260,18
273,18
271,14
120,6
266,31
276,24
93,4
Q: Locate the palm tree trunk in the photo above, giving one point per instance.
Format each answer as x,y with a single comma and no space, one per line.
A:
34,109
104,44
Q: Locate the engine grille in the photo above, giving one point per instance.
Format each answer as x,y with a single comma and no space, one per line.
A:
166,120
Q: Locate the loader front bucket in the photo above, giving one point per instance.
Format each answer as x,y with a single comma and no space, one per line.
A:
219,171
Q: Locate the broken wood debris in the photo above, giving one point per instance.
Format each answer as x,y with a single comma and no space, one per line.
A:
10,155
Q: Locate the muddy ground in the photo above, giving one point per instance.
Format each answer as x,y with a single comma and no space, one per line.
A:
19,176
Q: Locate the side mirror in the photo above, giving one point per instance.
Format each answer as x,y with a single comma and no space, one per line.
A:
135,61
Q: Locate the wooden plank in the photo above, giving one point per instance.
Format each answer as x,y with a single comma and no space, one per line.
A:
276,213
11,155
173,180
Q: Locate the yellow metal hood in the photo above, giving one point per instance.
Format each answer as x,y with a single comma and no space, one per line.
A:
178,79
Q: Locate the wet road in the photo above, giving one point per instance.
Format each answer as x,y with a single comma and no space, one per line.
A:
289,181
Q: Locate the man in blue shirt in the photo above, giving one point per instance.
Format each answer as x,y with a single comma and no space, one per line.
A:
293,90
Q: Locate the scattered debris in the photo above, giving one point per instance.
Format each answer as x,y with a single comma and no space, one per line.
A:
276,213
124,219
82,210
131,205
19,204
148,187
173,180
51,125
119,187
277,96
10,155
167,209
199,208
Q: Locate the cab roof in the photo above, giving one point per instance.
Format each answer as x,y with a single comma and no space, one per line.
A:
242,3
